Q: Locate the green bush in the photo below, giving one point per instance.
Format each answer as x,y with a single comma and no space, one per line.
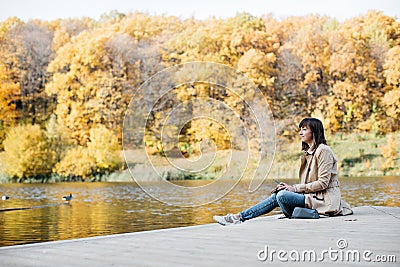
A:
26,153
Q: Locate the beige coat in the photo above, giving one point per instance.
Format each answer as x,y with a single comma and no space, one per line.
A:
319,182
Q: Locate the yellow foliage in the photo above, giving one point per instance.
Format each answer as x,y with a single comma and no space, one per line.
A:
105,149
391,101
389,153
258,67
392,66
101,156
27,153
77,162
9,95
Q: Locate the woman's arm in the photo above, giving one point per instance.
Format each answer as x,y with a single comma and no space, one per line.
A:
325,162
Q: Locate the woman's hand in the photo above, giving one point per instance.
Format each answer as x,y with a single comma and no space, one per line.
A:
283,186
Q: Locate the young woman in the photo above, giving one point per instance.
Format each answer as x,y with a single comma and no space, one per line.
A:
318,187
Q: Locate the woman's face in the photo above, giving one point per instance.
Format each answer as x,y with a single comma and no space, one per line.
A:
306,134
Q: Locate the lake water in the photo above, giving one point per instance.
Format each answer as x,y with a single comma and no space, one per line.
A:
112,208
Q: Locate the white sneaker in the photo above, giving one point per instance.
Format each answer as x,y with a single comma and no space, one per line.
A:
227,219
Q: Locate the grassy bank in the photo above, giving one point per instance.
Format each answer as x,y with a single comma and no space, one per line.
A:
360,154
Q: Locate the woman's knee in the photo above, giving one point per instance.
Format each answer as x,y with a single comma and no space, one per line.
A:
282,195
290,198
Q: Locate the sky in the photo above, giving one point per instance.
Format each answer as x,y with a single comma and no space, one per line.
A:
200,9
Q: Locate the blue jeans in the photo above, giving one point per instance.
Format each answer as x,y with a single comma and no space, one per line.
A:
284,199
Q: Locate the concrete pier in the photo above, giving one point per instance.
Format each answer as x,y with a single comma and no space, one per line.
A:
369,237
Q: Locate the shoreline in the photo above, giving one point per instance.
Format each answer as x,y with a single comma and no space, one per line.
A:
125,177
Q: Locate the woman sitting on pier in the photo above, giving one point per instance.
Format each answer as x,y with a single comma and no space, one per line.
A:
318,188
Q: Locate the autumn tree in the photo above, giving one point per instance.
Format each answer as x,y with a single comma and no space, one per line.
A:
26,153
391,99
88,88
303,62
96,73
66,29
10,111
356,64
101,156
33,42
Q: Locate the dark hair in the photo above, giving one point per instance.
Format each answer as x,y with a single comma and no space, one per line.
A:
317,130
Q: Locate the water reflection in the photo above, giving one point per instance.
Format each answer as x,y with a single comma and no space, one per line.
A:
110,208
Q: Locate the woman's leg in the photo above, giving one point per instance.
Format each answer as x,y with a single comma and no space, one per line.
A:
289,200
285,199
261,208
